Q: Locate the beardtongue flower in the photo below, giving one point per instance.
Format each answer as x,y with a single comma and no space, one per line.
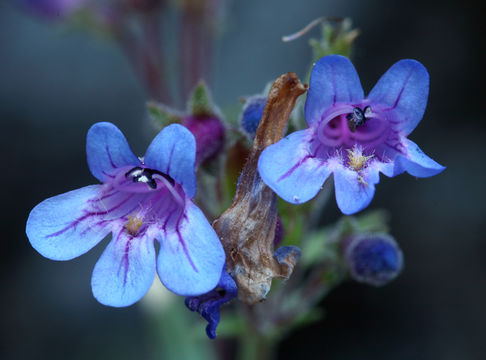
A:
140,200
351,136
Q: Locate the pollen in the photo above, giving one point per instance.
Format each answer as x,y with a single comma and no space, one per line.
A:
356,158
133,225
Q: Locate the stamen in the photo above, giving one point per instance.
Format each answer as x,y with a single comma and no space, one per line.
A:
170,186
133,225
356,158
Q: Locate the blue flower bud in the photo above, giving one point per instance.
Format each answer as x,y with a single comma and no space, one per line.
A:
373,259
252,113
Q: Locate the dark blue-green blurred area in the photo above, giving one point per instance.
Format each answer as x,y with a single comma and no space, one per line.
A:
56,81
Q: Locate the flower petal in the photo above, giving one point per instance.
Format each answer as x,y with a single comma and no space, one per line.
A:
125,270
403,89
416,163
355,190
207,305
173,152
107,149
191,256
60,228
333,80
290,170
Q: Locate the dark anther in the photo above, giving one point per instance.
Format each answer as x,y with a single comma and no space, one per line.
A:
139,174
357,117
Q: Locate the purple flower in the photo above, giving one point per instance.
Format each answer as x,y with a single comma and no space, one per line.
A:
140,200
52,8
207,305
351,136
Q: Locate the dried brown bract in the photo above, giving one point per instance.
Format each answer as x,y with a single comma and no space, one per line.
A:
247,227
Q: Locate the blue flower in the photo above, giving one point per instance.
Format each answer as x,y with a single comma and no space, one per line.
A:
374,259
140,200
351,136
207,305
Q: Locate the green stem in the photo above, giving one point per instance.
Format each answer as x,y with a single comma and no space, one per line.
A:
255,346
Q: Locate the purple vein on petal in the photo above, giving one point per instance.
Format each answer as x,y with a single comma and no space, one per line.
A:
87,215
293,168
402,89
185,248
105,196
182,217
109,157
333,84
170,159
125,259
401,92
106,174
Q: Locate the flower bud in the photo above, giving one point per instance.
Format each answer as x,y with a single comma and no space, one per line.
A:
204,121
252,113
373,259
209,133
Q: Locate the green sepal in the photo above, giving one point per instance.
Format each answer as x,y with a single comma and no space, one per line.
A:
335,39
324,244
162,115
200,103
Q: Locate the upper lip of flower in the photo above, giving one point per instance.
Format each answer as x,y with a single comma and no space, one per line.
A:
297,166
139,201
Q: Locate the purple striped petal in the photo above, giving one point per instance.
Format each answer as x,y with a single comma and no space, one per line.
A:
403,90
416,163
173,152
290,170
333,80
191,256
61,227
107,150
125,270
355,190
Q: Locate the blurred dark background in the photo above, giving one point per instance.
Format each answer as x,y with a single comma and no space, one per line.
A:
56,81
